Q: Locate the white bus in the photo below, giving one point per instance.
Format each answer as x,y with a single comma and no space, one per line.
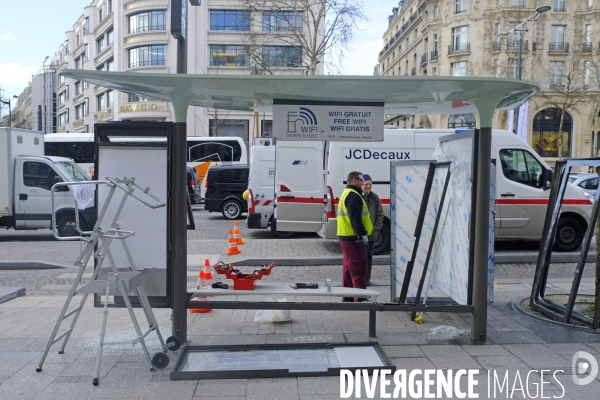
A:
202,152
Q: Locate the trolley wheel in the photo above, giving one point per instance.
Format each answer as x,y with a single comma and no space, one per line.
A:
95,381
38,369
160,360
173,343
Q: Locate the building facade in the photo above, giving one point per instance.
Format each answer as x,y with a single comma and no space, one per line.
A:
134,35
471,38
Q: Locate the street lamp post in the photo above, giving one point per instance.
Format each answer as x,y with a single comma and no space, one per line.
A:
520,31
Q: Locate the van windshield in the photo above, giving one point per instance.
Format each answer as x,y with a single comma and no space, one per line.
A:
71,171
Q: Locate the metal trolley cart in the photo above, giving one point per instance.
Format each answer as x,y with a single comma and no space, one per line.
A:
125,282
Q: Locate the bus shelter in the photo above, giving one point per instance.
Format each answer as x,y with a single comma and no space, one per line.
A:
414,95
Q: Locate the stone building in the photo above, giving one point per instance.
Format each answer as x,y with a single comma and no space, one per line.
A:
468,38
134,35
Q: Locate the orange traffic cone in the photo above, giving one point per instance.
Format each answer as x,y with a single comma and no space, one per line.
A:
204,280
236,233
232,245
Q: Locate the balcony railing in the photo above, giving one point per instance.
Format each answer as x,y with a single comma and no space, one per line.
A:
413,71
148,28
558,47
424,58
434,55
587,48
147,63
459,48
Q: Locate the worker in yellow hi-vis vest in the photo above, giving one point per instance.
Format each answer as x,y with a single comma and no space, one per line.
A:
353,228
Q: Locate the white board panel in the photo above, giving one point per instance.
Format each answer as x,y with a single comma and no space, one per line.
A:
148,165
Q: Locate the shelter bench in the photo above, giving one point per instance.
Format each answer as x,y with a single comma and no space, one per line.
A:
285,290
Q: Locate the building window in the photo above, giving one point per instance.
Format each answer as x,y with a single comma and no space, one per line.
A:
590,3
77,40
78,63
497,68
282,56
67,50
557,34
110,6
99,15
110,65
61,80
86,53
148,21
285,21
63,118
110,98
100,102
517,3
78,112
460,39
459,68
457,121
461,6
513,68
433,71
110,37
146,56
78,89
228,55
229,127
134,98
229,20
560,6
556,72
86,25
586,73
545,133
86,85
100,44
61,99
436,12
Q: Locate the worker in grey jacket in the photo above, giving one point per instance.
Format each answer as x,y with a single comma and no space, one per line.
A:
376,213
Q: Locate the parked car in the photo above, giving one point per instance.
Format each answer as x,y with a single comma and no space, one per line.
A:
224,188
193,185
586,180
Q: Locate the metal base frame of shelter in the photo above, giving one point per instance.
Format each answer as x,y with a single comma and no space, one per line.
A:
178,373
538,300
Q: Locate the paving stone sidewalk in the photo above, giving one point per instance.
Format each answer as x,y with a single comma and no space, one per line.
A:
515,342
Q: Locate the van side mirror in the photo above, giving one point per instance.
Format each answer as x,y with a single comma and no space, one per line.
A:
547,179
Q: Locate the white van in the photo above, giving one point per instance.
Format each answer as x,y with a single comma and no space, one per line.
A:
306,202
261,186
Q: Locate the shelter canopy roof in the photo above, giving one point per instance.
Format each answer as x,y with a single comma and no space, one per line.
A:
399,94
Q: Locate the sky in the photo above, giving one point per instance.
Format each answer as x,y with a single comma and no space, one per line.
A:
30,30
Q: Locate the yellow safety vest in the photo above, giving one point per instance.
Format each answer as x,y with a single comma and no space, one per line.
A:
344,226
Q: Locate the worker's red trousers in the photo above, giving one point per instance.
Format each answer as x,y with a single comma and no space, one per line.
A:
354,272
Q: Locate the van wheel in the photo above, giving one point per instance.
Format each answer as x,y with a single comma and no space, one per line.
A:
231,209
280,235
382,244
66,226
569,234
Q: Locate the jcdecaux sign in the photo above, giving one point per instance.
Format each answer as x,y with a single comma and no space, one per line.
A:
345,122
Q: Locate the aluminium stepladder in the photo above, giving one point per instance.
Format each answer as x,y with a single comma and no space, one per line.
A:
117,282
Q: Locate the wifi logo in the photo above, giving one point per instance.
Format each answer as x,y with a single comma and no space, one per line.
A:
307,116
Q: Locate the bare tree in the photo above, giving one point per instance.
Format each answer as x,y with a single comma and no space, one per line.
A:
322,29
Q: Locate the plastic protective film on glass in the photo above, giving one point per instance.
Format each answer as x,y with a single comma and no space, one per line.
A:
448,268
293,360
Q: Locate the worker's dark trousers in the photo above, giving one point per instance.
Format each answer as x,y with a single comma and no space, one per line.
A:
354,272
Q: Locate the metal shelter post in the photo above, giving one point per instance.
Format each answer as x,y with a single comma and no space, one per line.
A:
178,217
481,214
